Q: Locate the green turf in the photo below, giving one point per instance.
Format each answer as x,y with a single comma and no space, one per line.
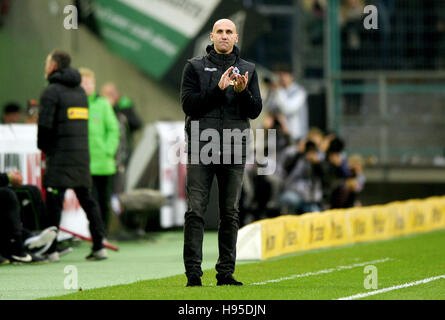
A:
412,258
136,260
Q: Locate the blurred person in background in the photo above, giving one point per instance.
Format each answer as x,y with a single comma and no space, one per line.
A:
103,140
335,172
32,112
317,136
276,121
11,113
291,100
267,187
63,137
109,91
302,190
125,106
355,165
271,85
346,194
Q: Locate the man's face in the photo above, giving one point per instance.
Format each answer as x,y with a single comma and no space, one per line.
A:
88,84
285,79
224,36
50,66
335,158
312,156
110,93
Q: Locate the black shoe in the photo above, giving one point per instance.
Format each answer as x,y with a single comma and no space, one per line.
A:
27,258
194,282
97,255
3,260
228,281
36,259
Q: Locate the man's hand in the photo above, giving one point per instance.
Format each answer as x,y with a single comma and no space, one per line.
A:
225,80
15,178
241,82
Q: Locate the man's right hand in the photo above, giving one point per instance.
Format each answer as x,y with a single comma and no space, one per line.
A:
225,80
15,178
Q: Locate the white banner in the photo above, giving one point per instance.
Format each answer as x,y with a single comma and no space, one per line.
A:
184,16
18,151
172,170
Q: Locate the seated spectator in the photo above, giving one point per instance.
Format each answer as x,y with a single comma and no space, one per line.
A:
345,196
302,191
275,120
335,172
15,242
358,179
11,113
317,136
32,112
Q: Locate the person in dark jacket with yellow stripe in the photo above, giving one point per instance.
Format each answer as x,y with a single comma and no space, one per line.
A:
63,137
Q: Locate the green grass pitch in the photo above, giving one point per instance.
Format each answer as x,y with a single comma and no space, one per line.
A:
154,270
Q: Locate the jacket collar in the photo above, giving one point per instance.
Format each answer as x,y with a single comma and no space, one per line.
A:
222,59
67,76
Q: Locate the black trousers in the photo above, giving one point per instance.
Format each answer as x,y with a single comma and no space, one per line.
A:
11,240
102,193
33,212
198,184
54,203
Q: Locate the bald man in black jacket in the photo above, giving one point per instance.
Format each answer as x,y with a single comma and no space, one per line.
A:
219,92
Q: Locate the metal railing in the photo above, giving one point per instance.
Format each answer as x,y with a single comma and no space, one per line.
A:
418,121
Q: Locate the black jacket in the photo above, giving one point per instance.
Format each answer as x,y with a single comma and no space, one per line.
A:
4,180
202,100
63,131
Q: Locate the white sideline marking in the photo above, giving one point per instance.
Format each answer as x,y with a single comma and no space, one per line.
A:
316,273
406,285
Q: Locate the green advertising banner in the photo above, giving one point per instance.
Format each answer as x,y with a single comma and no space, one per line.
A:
159,36
153,33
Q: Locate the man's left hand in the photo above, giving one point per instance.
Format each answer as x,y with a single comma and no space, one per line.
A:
241,82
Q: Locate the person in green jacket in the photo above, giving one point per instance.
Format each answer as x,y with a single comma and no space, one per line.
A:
103,138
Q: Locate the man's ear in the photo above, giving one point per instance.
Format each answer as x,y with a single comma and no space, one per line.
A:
53,66
211,36
236,38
